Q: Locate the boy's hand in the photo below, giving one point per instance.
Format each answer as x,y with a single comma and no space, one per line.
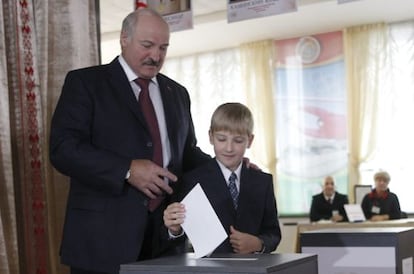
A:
174,216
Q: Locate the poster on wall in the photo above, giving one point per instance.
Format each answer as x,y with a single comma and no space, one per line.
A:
238,10
177,13
311,110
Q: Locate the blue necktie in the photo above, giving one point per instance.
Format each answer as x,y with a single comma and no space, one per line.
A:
233,189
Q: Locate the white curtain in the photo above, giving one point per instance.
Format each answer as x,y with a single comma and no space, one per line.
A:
257,71
365,58
395,116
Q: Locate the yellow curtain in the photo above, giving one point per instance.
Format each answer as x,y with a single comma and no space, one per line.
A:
364,57
256,69
39,42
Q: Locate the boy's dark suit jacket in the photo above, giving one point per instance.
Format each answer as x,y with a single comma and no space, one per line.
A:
97,129
256,213
322,209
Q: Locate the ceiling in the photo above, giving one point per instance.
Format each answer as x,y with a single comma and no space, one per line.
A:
211,30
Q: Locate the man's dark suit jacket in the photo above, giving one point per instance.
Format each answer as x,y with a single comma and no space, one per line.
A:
322,209
256,213
96,130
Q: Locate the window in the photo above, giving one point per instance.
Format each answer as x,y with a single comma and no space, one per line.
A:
395,117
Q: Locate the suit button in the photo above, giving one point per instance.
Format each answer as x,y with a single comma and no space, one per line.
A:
149,144
146,203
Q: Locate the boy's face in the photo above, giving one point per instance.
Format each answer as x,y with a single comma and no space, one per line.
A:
229,148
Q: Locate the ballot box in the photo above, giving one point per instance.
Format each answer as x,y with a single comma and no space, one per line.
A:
388,250
231,263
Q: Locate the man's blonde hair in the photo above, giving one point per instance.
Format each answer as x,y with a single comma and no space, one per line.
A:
233,117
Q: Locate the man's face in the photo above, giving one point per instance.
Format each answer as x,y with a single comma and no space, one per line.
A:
145,49
328,186
229,148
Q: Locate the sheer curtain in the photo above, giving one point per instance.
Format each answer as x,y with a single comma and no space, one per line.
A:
394,134
380,62
364,48
39,42
256,63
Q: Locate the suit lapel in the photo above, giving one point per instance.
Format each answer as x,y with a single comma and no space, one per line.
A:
169,106
121,86
216,189
246,187
172,119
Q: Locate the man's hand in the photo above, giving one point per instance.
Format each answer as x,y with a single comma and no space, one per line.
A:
337,218
148,177
378,218
174,216
244,243
250,165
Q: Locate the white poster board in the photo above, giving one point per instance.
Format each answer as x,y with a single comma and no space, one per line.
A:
354,213
360,191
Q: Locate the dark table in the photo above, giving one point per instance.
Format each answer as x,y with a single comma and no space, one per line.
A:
362,250
229,263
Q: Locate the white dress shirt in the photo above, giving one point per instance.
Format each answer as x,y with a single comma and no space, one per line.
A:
156,99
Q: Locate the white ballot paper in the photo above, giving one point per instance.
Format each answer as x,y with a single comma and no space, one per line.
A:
201,223
354,213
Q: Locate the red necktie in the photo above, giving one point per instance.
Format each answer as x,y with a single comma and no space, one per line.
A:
147,108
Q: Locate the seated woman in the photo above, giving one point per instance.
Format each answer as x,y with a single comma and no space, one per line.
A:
381,204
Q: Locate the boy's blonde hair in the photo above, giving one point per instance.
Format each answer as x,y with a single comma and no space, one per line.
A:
233,117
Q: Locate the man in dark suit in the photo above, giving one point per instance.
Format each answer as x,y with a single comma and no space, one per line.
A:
250,216
329,204
102,138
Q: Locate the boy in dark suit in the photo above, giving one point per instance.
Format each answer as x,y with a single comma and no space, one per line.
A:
329,204
247,210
